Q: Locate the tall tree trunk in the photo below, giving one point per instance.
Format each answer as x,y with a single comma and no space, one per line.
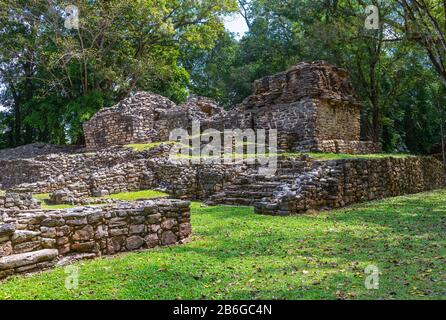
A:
442,141
17,116
443,151
374,92
17,124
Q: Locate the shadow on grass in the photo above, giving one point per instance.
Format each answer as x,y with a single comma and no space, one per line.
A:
236,254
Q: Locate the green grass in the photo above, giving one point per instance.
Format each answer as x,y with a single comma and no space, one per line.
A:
45,197
236,254
336,156
312,155
137,195
146,146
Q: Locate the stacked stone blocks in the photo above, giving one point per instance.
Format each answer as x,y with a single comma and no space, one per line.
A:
90,230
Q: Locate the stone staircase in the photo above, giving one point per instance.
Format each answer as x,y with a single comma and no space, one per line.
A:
252,187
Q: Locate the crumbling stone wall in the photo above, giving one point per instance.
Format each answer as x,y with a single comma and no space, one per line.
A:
79,176
130,121
34,240
144,118
347,147
114,170
18,201
312,103
337,183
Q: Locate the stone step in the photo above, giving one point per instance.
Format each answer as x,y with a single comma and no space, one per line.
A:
248,194
252,188
25,262
234,201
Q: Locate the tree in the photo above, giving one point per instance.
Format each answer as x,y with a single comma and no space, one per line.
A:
64,76
425,22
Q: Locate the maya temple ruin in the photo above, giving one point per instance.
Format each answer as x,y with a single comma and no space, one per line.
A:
313,108
312,105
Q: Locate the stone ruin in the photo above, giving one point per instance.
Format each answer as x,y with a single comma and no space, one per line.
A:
312,105
144,118
39,239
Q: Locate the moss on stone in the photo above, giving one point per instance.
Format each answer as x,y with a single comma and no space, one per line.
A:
337,156
147,146
124,196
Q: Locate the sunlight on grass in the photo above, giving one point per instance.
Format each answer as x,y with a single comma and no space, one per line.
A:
124,196
147,146
41,196
137,195
236,254
45,205
314,156
337,156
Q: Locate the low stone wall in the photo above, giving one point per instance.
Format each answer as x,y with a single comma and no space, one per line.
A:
347,147
76,177
338,183
18,201
86,174
32,240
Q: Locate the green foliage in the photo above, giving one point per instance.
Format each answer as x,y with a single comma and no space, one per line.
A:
53,79
235,254
390,73
56,78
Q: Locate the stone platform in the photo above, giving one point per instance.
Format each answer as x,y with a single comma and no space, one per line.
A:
33,240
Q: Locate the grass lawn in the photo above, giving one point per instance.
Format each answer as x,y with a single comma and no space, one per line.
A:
146,146
337,156
137,195
313,155
236,254
44,197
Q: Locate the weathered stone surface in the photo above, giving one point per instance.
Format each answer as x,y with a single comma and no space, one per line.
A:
152,240
337,183
312,105
185,230
6,229
154,218
6,249
21,201
168,224
137,229
168,238
116,233
19,260
134,242
145,117
21,236
84,234
90,246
